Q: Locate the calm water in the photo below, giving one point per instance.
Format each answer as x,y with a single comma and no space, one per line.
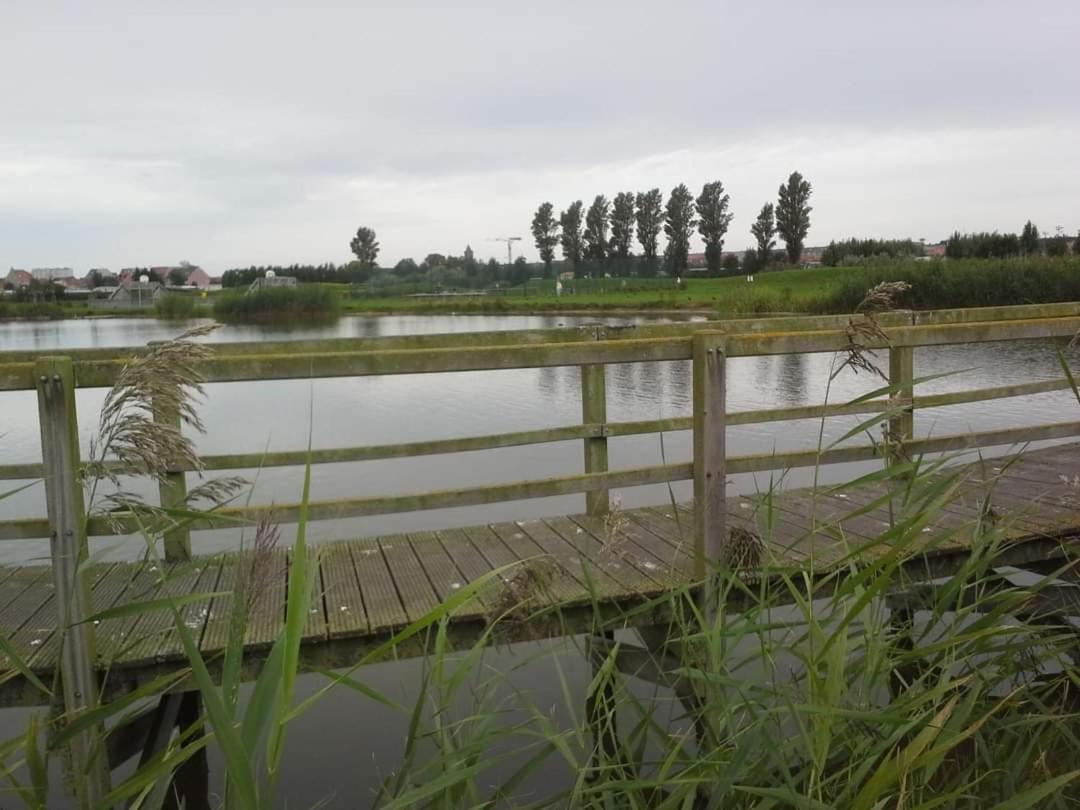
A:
351,756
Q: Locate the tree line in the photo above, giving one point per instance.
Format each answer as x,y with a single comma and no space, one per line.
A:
994,245
599,240
837,253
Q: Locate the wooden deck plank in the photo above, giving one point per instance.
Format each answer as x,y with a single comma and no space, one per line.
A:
20,580
467,559
491,546
441,571
196,615
147,637
560,582
345,614
381,600
219,617
37,632
384,583
39,588
268,588
417,595
575,560
645,550
315,625
601,549
113,636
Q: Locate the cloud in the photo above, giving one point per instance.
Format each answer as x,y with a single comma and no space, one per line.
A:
252,133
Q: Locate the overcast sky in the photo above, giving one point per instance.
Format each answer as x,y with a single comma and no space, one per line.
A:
229,133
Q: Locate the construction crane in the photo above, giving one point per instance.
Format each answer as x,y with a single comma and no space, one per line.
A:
509,245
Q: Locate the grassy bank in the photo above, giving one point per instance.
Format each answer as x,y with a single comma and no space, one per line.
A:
820,290
306,302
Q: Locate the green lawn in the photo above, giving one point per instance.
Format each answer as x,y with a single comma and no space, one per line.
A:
779,291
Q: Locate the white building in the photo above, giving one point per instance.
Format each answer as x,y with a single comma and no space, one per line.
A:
52,273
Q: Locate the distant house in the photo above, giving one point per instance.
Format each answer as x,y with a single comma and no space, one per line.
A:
271,279
191,275
136,295
934,251
52,273
18,278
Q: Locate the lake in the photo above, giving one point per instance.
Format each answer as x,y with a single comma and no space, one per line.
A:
350,757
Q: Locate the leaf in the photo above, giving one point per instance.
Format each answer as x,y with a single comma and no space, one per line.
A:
1032,796
16,661
151,605
301,581
99,714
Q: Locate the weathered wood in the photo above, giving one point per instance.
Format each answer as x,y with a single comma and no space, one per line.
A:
417,595
441,571
293,364
345,614
594,411
381,601
172,492
568,575
901,427
710,471
757,324
68,549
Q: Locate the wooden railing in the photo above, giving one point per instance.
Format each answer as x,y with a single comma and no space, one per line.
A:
591,348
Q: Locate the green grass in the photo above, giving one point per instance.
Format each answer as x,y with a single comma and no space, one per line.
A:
820,290
305,302
176,306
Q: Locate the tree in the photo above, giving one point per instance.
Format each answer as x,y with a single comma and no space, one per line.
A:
406,268
650,219
433,260
713,221
177,276
570,239
622,230
1029,239
545,232
596,229
793,215
1057,246
364,246
730,264
519,271
751,261
763,230
679,224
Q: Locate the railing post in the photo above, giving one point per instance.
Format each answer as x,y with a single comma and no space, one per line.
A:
710,473
55,382
594,412
172,493
901,379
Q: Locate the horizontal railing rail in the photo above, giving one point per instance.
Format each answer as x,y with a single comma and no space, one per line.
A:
519,337
589,348
587,345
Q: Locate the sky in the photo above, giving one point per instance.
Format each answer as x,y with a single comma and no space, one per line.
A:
231,133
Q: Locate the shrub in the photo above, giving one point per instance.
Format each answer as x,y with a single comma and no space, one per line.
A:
278,303
175,306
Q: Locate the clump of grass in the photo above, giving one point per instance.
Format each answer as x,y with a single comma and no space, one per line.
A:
175,306
133,438
305,301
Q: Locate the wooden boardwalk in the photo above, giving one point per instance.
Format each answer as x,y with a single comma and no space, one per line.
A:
366,589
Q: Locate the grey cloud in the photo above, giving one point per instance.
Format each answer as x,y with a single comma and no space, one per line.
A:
217,117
